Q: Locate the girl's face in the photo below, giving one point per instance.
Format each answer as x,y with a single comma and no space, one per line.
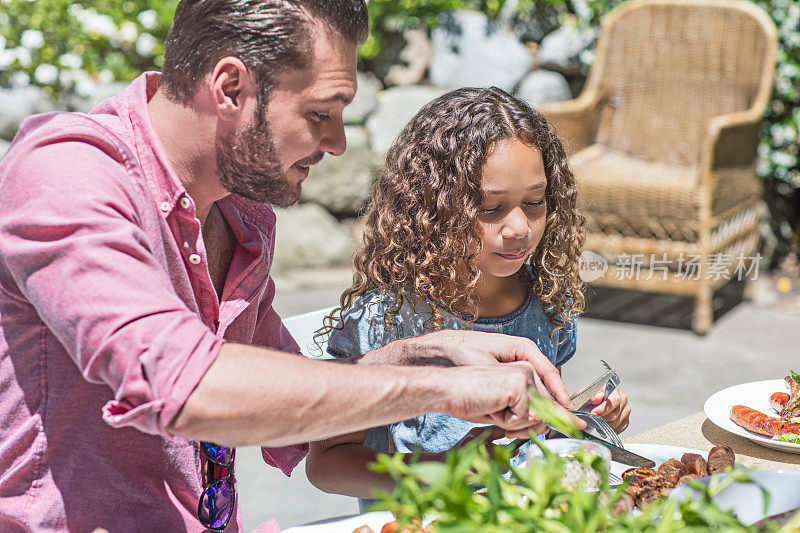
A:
511,220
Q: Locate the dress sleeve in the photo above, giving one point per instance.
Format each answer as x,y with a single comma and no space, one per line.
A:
72,246
567,348
361,329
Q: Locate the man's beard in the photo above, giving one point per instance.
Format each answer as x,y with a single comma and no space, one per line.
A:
248,165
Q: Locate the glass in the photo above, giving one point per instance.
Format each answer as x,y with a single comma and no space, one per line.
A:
578,473
218,499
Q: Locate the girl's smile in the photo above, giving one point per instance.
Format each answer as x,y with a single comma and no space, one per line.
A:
512,218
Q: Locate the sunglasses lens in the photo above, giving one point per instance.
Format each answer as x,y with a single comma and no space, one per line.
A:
219,454
216,504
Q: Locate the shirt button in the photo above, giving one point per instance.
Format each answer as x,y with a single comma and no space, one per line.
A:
165,206
185,203
194,259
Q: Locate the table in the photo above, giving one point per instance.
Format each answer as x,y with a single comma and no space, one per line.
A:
696,431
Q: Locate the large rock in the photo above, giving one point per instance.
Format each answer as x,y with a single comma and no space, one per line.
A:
396,106
342,184
469,50
561,50
543,86
356,137
19,103
415,59
365,101
309,237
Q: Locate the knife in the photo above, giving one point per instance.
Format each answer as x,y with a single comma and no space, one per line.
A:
622,455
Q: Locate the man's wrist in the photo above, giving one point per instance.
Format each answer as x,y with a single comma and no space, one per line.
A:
394,353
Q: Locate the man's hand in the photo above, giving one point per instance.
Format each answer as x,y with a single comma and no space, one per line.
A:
463,348
615,409
492,394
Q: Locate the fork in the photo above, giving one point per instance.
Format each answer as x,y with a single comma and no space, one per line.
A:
613,381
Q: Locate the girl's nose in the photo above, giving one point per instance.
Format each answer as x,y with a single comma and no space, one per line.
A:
515,226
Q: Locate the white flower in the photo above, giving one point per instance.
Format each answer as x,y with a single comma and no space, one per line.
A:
782,135
23,56
783,159
85,87
105,76
73,61
92,22
45,74
66,78
145,44
2,42
32,39
6,58
128,32
19,79
148,19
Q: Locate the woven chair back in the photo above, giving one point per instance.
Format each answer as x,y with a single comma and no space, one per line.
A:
667,67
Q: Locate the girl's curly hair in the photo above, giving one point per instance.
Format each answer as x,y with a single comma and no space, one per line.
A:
421,238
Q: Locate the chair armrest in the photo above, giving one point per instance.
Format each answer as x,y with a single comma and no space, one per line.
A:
729,159
575,121
732,140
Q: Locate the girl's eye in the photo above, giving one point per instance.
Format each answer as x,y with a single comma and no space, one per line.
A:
540,203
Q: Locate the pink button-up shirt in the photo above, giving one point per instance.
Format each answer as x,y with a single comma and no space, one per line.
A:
109,320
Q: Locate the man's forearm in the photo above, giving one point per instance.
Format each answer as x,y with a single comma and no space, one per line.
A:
256,396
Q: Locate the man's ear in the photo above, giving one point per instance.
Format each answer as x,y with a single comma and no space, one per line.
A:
231,85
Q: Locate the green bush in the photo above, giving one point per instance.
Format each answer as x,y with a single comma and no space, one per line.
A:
62,46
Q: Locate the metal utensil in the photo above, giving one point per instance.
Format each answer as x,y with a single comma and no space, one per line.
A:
599,428
621,455
607,382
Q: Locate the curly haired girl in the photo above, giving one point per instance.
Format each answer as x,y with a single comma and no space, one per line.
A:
472,224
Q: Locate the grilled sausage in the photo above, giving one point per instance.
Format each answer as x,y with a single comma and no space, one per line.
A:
686,478
758,422
695,464
672,471
363,529
720,458
647,496
778,400
624,504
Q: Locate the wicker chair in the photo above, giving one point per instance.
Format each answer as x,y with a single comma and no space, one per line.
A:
663,141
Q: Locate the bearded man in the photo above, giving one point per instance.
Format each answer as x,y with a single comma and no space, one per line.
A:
136,319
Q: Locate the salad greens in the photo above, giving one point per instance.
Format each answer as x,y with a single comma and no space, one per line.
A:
788,437
532,498
795,376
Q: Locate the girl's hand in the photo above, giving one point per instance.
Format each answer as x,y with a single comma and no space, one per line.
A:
615,409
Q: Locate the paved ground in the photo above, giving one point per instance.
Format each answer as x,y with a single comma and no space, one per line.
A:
667,370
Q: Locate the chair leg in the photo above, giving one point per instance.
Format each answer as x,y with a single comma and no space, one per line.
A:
703,310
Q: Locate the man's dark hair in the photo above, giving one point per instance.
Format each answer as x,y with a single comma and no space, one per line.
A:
268,36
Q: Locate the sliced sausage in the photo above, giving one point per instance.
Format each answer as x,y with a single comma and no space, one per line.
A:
695,464
720,458
686,478
778,400
672,471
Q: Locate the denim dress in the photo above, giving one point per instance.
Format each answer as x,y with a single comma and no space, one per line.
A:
363,330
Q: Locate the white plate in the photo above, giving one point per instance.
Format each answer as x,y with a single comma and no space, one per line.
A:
754,395
746,499
345,524
660,453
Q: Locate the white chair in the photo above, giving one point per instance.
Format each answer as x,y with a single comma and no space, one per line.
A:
302,327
